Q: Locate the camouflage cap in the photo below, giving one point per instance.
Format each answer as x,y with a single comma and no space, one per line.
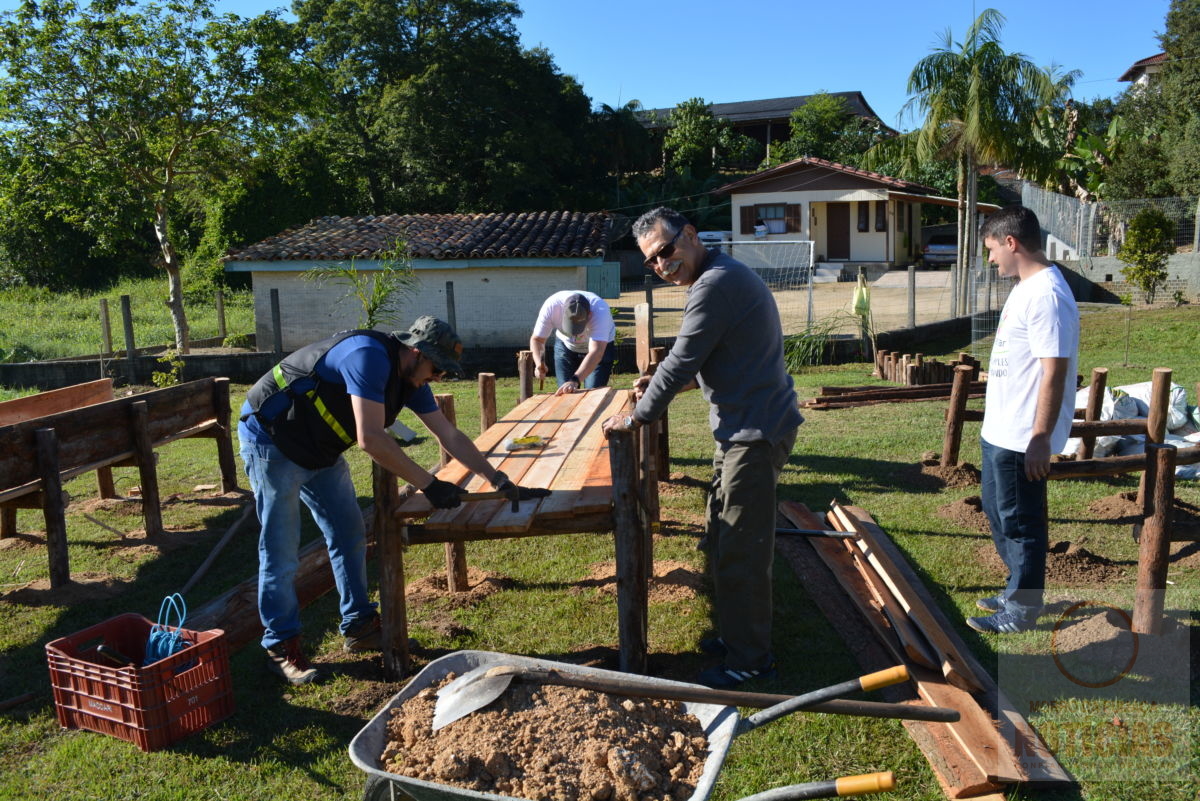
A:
435,339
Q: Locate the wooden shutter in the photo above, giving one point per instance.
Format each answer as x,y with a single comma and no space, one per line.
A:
880,215
791,217
748,219
864,216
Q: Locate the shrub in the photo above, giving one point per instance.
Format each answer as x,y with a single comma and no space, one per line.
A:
1148,243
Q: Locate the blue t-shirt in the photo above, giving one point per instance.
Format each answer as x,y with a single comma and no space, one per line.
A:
362,365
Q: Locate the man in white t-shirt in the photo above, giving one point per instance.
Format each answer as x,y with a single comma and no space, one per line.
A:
1027,415
583,330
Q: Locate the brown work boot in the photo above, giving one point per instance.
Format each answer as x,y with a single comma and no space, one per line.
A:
287,660
365,635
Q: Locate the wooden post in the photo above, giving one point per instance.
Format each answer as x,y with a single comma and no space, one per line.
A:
105,488
642,336
954,415
456,552
1156,420
525,373
143,448
487,401
1154,546
105,329
1087,444
649,308
222,435
127,323
276,323
53,503
220,302
912,296
664,434
389,545
631,535
8,522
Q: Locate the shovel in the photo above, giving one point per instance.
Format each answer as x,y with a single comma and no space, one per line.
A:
477,688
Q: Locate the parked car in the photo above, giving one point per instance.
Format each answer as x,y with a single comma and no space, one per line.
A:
940,251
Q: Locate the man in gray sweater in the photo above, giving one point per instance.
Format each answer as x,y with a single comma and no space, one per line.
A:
730,344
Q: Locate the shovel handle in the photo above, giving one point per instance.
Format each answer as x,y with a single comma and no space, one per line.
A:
837,788
871,681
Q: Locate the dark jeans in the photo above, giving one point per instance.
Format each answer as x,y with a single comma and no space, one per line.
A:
1016,509
740,541
567,361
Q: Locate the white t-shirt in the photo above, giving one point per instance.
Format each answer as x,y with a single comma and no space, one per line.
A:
600,326
1039,321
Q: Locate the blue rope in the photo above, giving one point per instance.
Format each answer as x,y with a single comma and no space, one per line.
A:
164,642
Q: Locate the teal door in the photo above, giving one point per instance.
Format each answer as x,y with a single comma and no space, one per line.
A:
605,279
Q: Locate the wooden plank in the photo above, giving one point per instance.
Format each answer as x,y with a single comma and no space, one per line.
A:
909,590
46,459
139,423
42,404
456,472
968,775
641,336
1037,764
591,450
958,776
544,423
551,460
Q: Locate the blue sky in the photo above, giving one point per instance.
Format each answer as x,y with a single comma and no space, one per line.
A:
662,52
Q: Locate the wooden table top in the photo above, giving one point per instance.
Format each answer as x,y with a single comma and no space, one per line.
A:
574,464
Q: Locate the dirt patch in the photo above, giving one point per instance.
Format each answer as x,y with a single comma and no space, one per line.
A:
364,698
678,485
1068,565
959,476
81,588
480,584
672,581
1124,508
548,742
967,514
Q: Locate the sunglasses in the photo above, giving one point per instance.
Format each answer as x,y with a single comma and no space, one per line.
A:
665,252
435,372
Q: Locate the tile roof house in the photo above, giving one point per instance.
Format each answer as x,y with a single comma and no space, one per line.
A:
852,216
488,272
1142,71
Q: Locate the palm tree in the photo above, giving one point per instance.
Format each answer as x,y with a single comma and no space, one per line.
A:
979,105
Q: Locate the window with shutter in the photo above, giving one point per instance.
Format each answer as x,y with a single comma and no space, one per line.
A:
864,215
880,215
748,219
792,218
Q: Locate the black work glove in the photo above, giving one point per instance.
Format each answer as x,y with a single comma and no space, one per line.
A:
443,494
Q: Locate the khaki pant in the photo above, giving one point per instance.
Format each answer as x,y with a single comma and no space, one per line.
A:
741,544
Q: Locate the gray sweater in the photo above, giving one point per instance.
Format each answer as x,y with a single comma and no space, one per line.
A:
731,342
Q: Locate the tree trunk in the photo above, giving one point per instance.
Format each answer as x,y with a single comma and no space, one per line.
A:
959,272
174,281
968,246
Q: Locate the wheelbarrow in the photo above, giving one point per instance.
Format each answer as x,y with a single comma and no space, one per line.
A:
720,724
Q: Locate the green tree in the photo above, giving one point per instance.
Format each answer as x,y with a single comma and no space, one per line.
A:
699,143
825,127
378,292
1148,244
113,109
1180,91
979,105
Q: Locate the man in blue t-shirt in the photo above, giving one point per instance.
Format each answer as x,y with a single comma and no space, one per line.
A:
297,421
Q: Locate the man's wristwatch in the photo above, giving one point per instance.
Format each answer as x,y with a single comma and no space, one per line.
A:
631,422
575,378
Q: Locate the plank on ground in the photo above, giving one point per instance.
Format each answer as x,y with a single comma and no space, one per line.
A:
958,773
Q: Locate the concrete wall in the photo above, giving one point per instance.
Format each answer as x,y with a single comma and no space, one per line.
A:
1103,275
494,307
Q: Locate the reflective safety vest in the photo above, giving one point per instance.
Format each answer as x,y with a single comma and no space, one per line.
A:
311,420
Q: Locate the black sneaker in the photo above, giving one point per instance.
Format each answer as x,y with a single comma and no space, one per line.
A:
287,660
365,635
721,677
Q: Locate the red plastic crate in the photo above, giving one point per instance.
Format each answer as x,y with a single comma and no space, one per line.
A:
152,706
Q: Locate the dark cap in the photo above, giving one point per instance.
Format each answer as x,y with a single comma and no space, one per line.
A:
435,339
576,314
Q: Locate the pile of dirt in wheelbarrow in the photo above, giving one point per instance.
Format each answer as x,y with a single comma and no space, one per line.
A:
550,742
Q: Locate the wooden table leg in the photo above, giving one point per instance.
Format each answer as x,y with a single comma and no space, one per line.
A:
53,503
1154,546
631,534
389,546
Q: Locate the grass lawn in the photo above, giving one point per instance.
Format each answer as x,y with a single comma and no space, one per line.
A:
291,742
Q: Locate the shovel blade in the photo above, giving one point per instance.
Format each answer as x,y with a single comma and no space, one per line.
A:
471,691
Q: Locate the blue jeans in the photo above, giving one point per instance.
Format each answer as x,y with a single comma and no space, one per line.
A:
279,485
1016,511
567,361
